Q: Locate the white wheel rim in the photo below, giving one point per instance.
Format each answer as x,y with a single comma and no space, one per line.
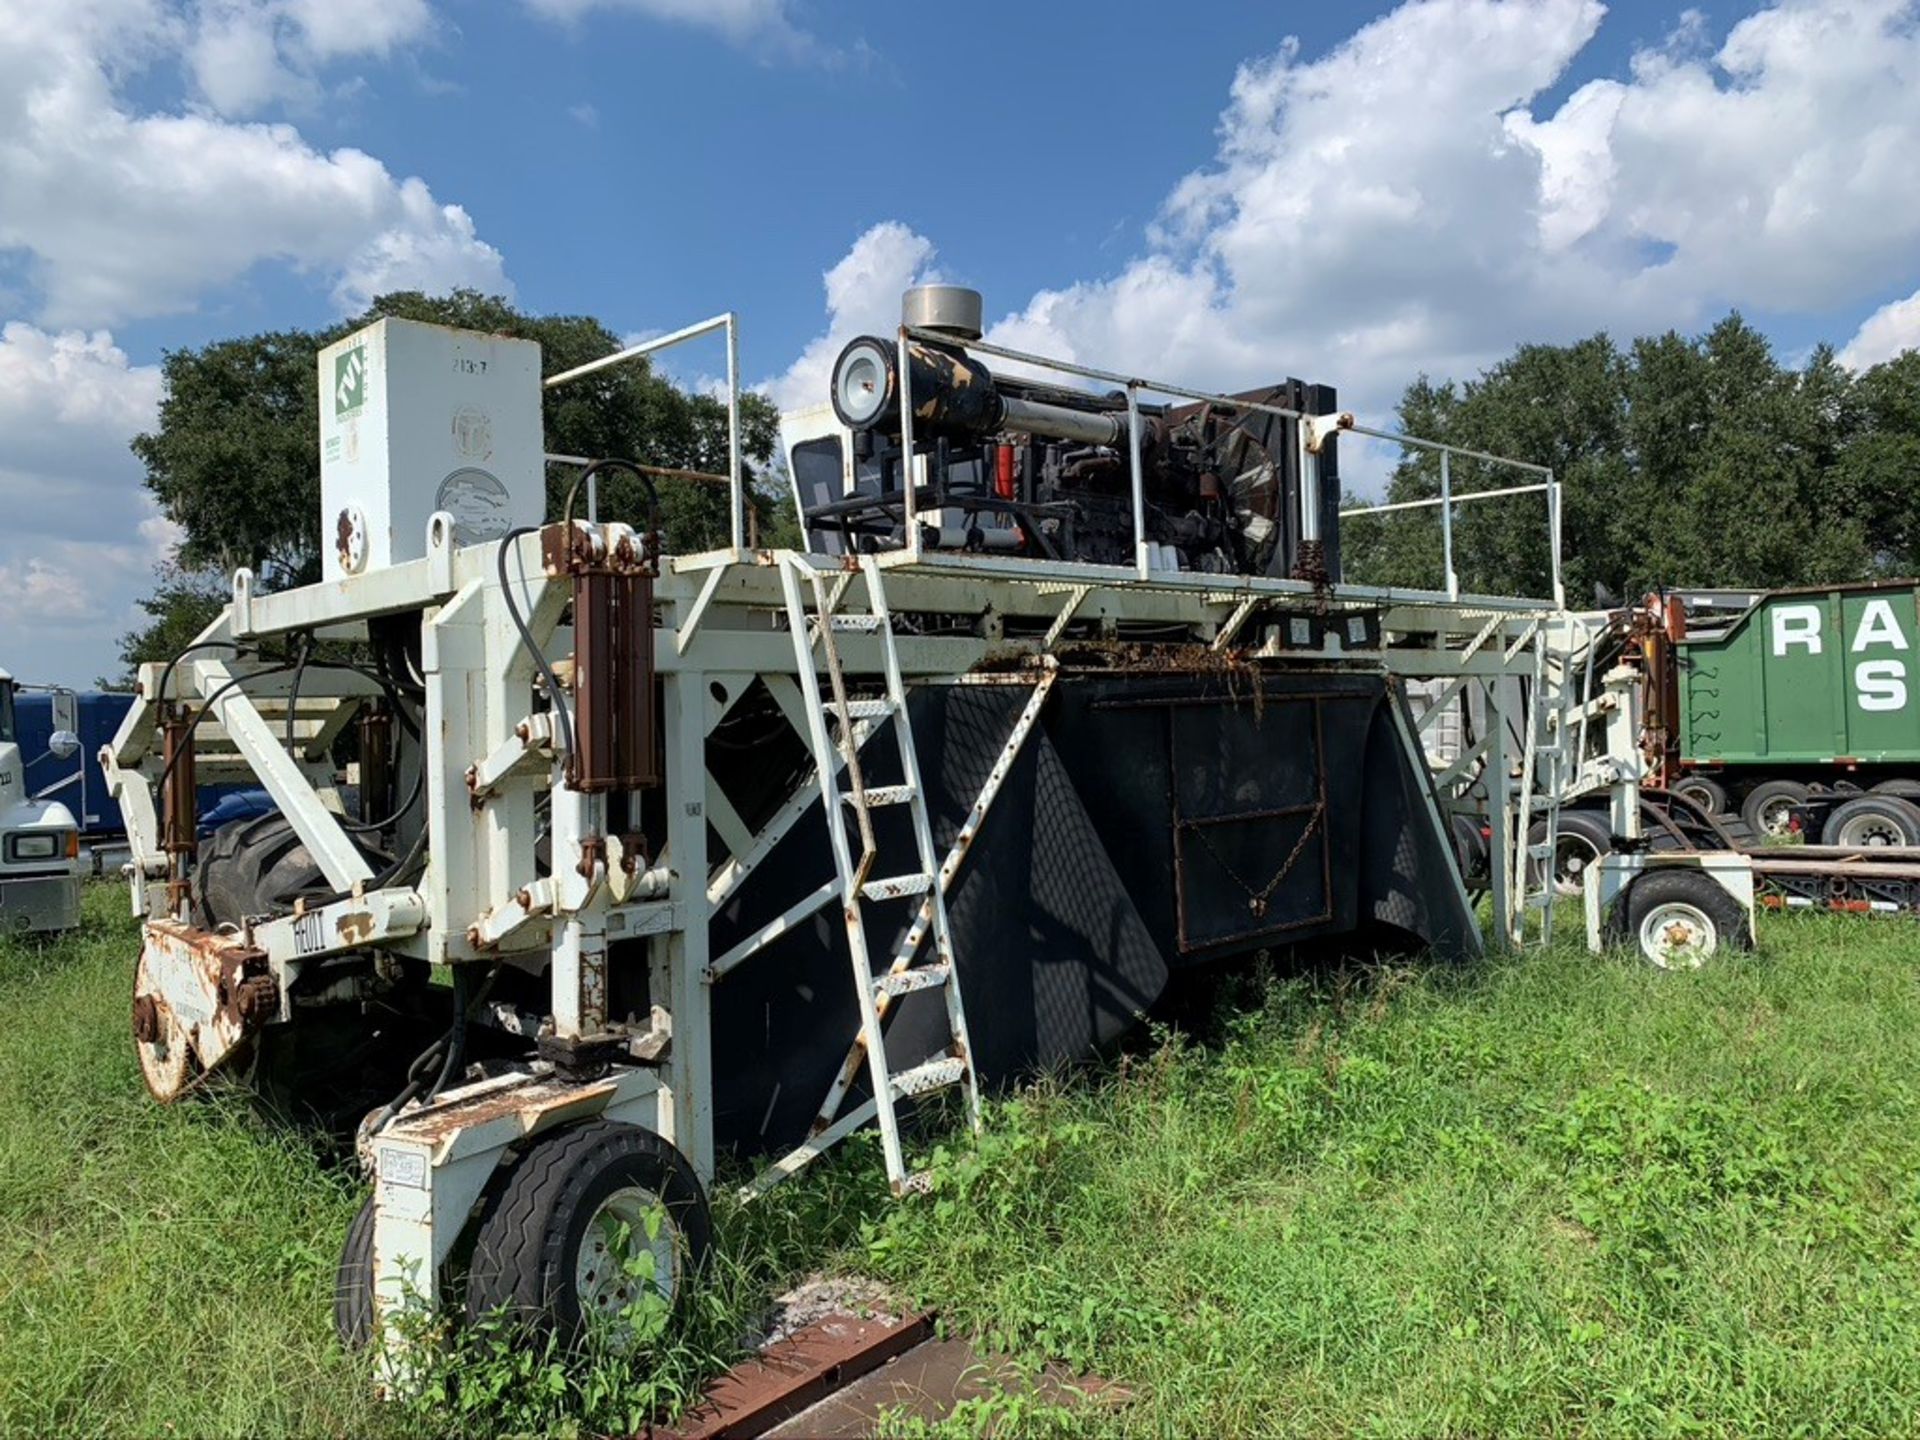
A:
609,1277
1570,860
1776,816
1678,936
1871,831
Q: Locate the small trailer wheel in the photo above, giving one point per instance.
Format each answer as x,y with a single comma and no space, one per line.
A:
589,1221
1871,821
1680,919
1769,805
1582,838
353,1283
1706,792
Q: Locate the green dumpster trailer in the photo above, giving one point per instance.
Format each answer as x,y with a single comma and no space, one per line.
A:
1802,689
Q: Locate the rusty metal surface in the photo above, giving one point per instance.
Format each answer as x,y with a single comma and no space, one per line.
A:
792,1374
613,675
213,991
1259,898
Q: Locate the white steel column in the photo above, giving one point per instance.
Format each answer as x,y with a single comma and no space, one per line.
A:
680,959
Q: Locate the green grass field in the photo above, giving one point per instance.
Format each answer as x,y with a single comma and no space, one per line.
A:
1545,1194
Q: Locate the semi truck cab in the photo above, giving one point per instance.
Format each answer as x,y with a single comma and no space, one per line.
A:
39,839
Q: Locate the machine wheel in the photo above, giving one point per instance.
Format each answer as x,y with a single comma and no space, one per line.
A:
257,866
167,1061
330,1064
1905,789
353,1283
1680,919
588,1221
1872,821
1767,806
1582,839
1706,792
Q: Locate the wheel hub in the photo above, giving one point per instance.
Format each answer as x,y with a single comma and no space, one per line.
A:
1677,936
631,1249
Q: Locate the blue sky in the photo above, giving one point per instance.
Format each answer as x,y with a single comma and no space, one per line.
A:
1221,193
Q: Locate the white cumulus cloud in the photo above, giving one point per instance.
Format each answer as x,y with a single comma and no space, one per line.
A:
121,214
1402,203
115,208
863,296
1890,330
81,538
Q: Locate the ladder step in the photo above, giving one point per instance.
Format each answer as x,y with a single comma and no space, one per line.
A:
883,795
905,982
931,1075
864,623
897,887
862,709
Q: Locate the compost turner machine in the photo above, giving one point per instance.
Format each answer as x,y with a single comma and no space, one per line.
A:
653,863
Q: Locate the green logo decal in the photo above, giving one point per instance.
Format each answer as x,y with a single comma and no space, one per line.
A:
349,381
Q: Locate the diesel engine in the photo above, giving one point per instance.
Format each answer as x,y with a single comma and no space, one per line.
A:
1022,467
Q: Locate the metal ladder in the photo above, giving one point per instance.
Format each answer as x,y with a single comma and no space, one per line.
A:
857,888
1543,769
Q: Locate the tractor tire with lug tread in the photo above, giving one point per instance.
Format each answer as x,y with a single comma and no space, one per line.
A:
252,868
353,1283
1872,822
1706,792
1765,808
542,1251
332,1063
1583,838
1678,919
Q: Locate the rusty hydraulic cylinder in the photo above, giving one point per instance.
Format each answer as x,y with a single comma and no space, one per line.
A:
178,803
376,763
615,743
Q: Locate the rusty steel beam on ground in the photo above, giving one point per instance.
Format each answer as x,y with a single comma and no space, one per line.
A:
792,1374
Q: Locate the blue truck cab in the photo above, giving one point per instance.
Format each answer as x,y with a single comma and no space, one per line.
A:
39,838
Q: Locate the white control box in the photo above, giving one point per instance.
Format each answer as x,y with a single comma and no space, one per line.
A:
416,418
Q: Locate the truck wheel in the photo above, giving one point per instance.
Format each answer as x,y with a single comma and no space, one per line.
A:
1680,919
353,1283
1582,839
1709,794
588,1223
1905,789
1767,808
1872,822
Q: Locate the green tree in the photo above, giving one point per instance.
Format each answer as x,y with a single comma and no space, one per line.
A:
1684,462
235,461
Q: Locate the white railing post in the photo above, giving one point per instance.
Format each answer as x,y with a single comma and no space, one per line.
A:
1446,526
1142,558
1553,539
911,510
737,484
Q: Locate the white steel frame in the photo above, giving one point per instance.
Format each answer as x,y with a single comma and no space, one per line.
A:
721,626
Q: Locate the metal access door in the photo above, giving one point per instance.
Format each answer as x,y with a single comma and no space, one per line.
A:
1251,858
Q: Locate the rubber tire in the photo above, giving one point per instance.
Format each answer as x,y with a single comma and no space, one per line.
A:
1688,886
1905,789
1706,792
532,1227
253,867
1583,824
1888,807
1764,793
353,1283
331,1064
